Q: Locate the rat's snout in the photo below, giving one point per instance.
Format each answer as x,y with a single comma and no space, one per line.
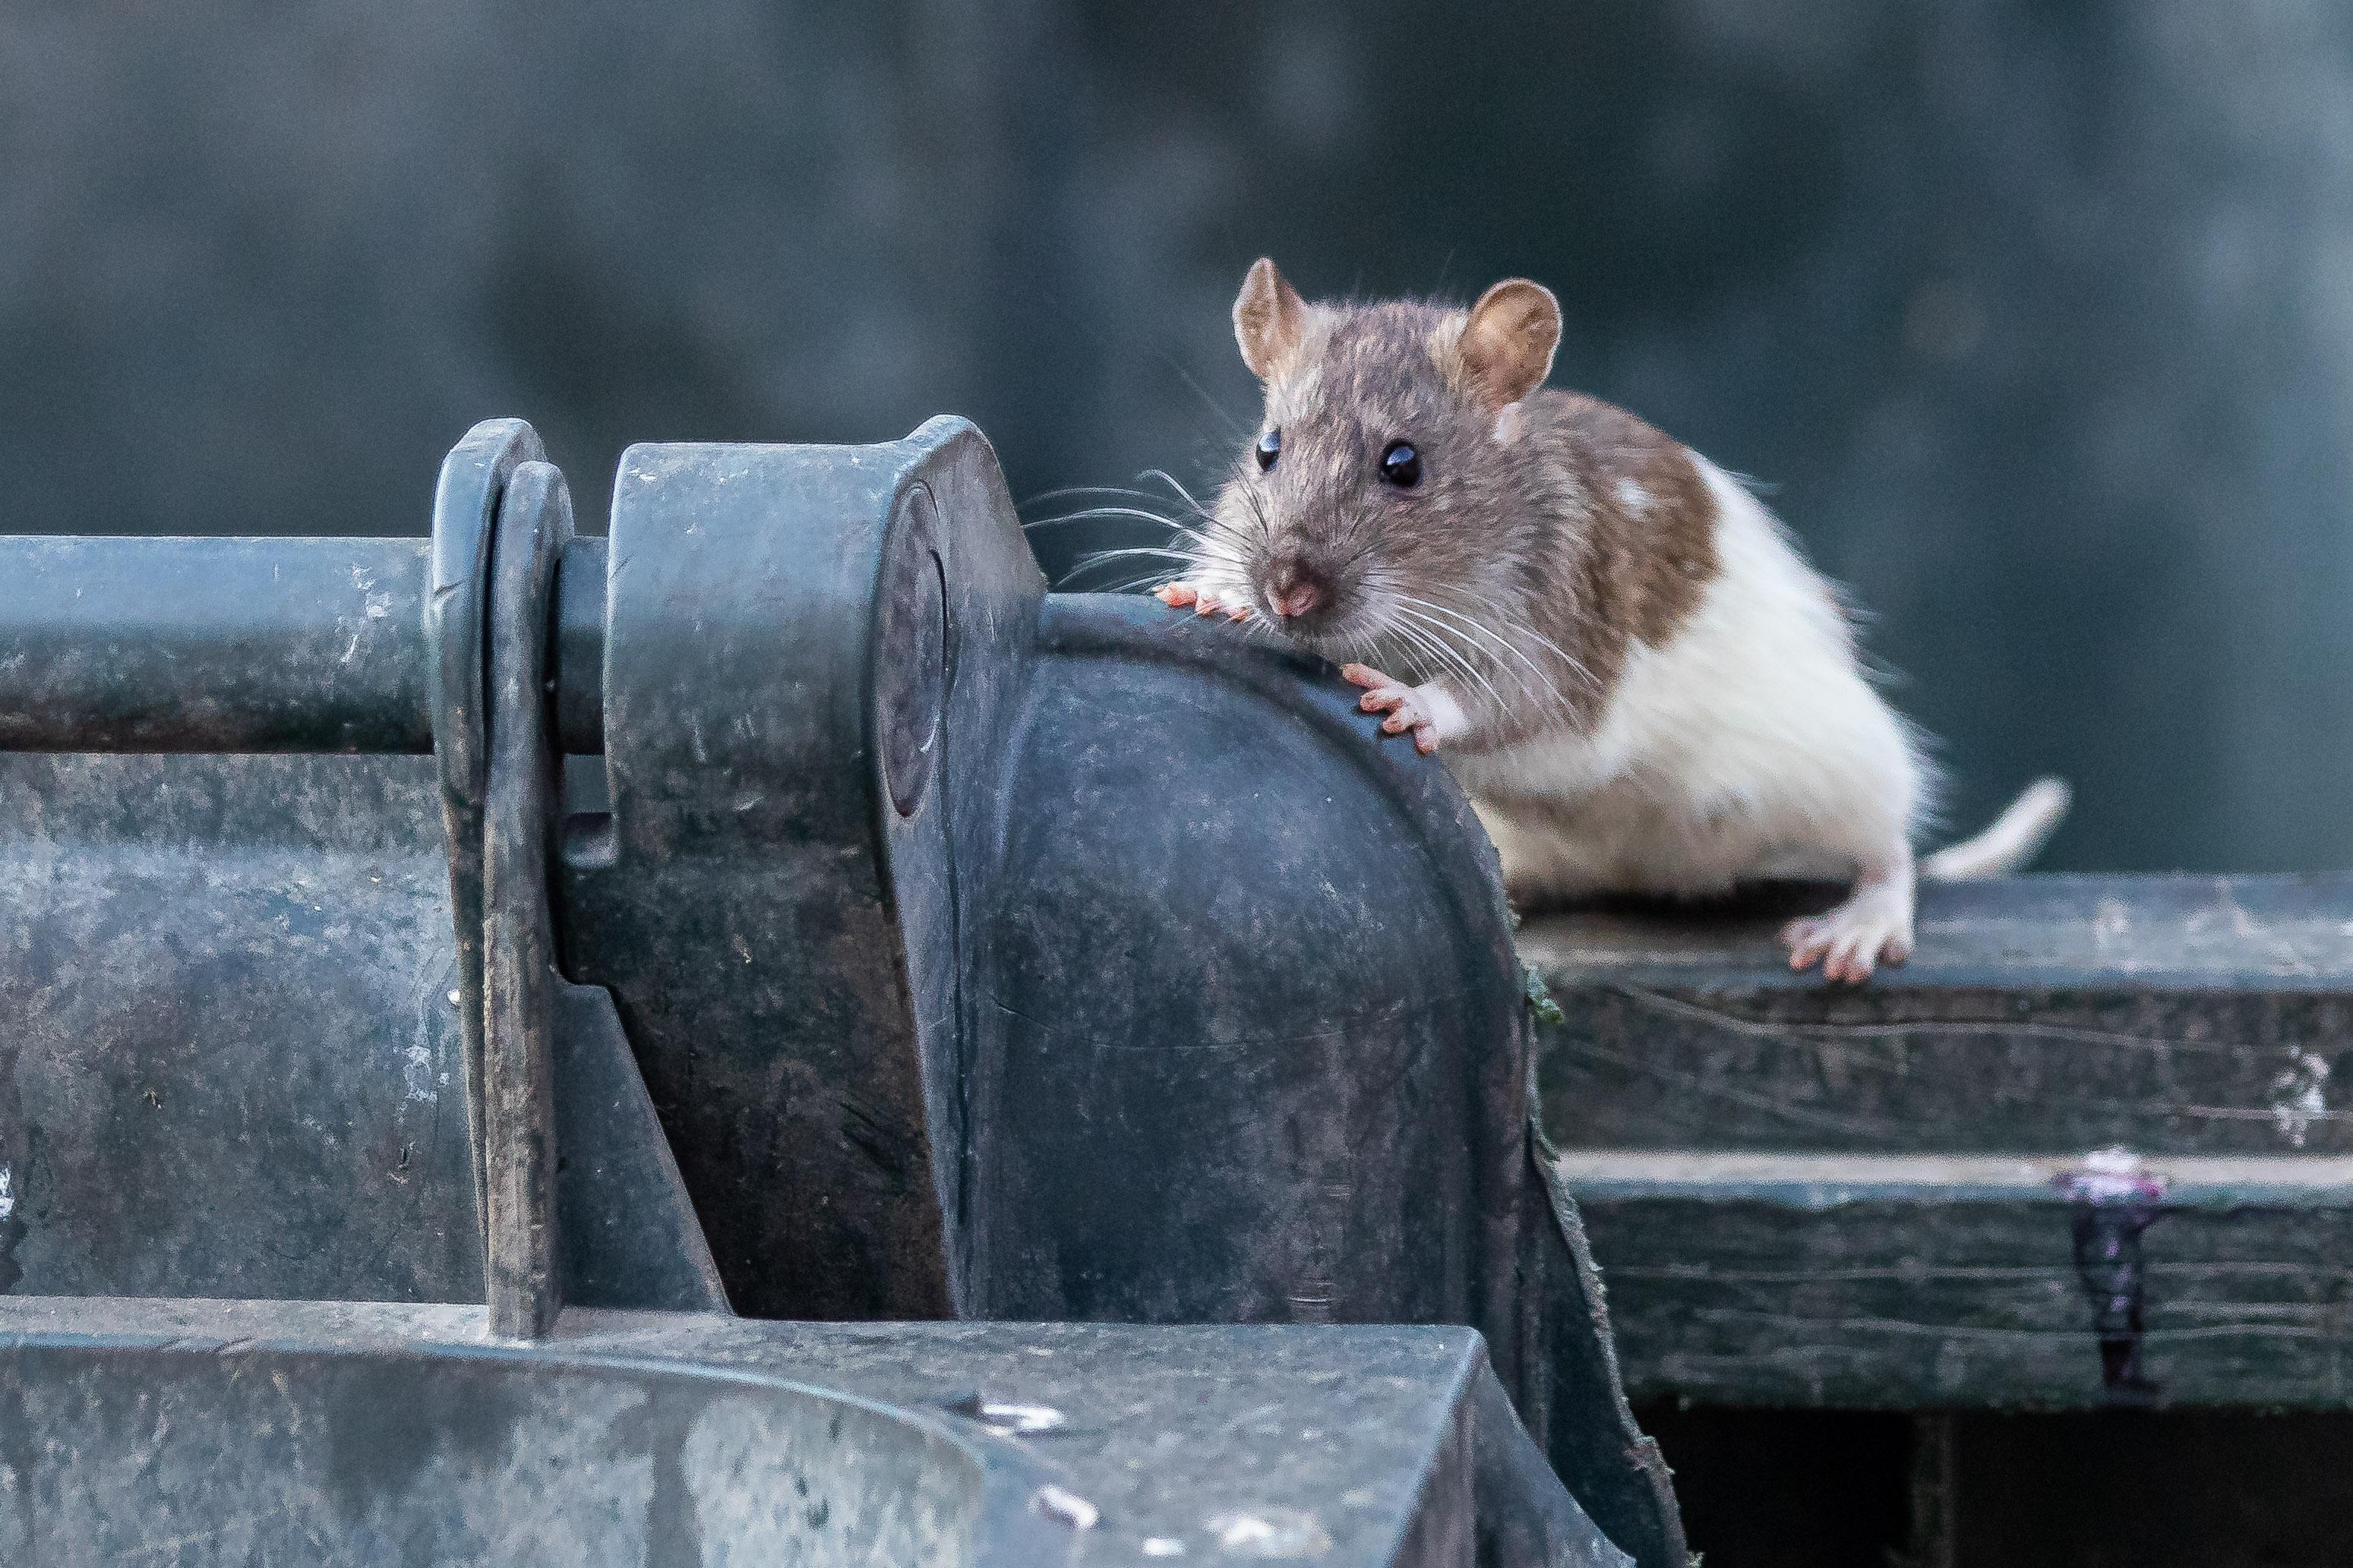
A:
1294,588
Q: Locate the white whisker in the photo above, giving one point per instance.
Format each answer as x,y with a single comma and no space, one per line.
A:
1153,579
1068,491
1554,648
1099,511
1166,477
1469,668
1094,557
1549,687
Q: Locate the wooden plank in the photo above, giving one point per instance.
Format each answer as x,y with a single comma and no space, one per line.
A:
2226,1028
1892,1282
2218,1072
1816,1195
2172,932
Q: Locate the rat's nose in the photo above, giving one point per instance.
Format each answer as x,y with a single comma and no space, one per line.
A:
1293,588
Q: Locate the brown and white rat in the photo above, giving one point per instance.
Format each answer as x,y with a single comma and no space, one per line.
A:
1639,682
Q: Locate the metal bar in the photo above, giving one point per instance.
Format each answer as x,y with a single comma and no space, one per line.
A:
212,645
521,1244
249,644
466,500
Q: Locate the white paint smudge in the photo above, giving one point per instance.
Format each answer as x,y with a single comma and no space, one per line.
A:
1271,1532
416,1072
2110,1175
1066,1508
7,1191
2299,1096
2110,922
1006,1416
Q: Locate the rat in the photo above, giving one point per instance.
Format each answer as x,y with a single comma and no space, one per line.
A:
1636,677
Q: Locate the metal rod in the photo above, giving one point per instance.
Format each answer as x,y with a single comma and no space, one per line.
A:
212,645
112,643
580,647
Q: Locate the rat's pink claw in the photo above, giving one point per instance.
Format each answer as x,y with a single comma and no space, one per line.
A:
1852,940
1402,703
1200,600
1807,940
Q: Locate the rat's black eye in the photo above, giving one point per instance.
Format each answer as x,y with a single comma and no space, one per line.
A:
1270,448
1402,465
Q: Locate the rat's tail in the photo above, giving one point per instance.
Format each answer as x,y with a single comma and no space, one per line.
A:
2015,838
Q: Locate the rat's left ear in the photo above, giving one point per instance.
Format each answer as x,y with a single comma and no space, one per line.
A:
1507,344
1270,319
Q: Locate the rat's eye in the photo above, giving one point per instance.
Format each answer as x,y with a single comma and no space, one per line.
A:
1270,448
1402,465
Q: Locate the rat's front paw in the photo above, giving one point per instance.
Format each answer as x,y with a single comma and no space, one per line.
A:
1871,928
1426,710
1203,600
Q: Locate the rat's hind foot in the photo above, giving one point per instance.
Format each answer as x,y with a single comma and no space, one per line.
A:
1429,712
1872,927
1204,601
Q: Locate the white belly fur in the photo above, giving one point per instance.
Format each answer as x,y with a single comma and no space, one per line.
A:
1749,745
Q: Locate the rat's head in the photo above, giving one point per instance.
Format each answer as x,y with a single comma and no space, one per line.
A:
1387,462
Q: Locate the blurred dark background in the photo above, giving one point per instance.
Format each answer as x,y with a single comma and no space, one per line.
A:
2039,316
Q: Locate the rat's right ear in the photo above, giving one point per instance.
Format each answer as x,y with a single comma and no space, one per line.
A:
1270,319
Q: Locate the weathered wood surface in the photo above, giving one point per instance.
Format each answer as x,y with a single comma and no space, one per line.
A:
1880,1281
1807,1196
2175,931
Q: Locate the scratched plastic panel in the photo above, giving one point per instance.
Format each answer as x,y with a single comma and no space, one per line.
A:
272,1456
228,1052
